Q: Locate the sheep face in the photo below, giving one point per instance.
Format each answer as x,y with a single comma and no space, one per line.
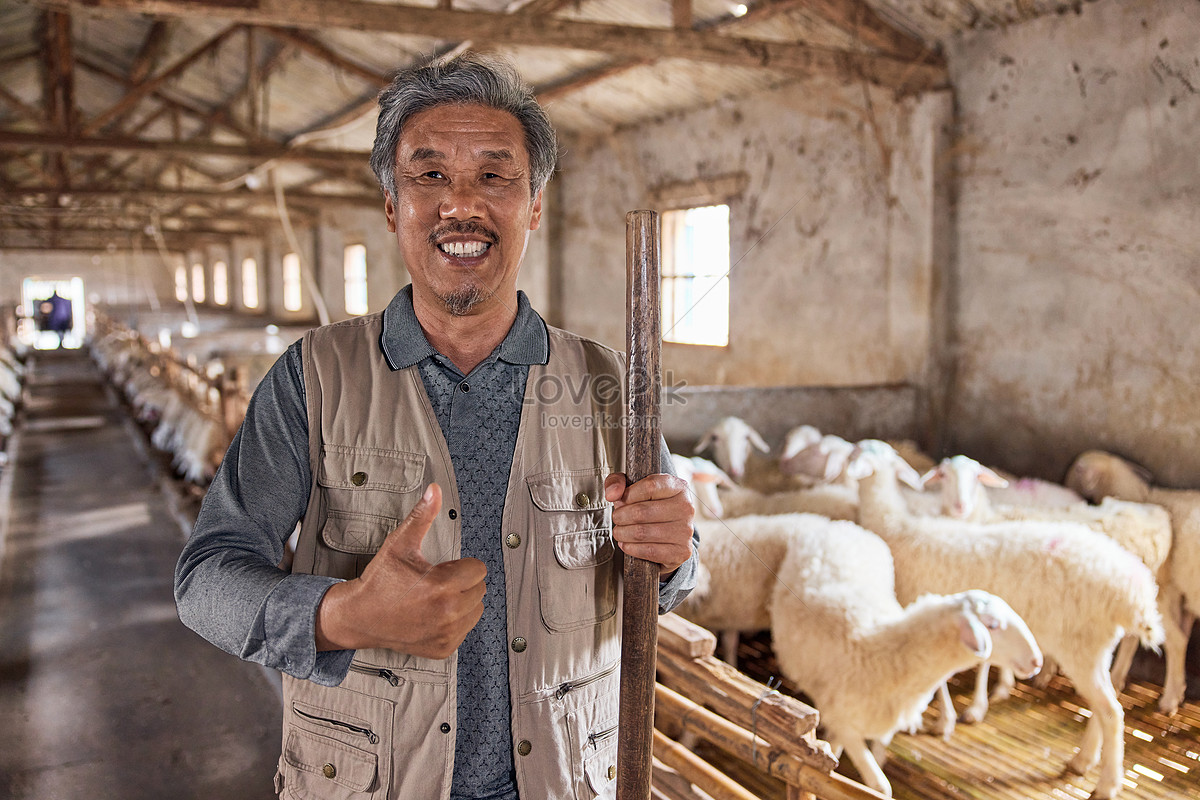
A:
731,440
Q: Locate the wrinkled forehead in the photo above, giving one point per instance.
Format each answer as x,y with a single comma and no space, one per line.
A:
463,130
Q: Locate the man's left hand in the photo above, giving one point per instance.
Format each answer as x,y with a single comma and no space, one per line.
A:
652,519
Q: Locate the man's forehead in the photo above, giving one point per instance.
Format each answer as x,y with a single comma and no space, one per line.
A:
483,131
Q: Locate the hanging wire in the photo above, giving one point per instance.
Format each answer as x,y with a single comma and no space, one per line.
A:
306,270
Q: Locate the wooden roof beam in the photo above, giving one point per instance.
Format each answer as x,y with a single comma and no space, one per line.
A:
154,47
542,30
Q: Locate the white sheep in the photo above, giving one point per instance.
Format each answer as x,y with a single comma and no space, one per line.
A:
1143,529
1096,474
868,664
1078,591
731,440
812,457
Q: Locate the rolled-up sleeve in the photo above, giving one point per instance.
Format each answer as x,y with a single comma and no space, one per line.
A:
228,585
675,590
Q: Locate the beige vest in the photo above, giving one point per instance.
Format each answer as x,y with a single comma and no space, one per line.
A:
388,730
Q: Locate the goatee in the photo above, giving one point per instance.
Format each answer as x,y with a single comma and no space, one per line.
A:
460,301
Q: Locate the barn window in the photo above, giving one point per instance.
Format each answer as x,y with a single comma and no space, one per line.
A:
198,283
181,283
249,283
220,283
354,266
695,275
291,282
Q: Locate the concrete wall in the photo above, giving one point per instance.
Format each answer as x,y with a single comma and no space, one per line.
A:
1078,319
830,239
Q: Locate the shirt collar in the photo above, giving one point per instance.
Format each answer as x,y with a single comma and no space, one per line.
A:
404,343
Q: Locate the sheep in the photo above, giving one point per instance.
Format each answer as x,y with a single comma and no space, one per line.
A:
1143,529
869,665
1079,592
733,442
813,458
1096,474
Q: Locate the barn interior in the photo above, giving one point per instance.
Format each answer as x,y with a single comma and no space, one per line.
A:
969,224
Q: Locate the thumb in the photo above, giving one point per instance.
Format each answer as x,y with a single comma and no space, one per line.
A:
405,540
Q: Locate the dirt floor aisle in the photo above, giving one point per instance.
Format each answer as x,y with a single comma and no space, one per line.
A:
103,693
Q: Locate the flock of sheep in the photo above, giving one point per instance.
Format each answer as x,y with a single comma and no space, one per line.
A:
184,425
876,588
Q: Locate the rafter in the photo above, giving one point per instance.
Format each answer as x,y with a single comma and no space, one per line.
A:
547,31
154,47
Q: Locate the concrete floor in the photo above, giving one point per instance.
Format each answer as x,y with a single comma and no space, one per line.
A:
103,693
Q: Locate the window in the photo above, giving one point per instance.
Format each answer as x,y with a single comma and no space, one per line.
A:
198,282
695,279
291,282
354,267
220,283
249,283
181,287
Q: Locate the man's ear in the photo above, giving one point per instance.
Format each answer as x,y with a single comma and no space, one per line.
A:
535,219
389,211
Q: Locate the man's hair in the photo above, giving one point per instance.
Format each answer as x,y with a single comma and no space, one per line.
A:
468,78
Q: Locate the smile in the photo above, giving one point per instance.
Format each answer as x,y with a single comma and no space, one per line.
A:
464,249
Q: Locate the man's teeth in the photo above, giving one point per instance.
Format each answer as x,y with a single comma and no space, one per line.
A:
464,249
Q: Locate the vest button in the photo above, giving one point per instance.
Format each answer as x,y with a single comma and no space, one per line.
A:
524,747
612,772
513,540
453,514
358,478
582,500
519,645
329,771
445,727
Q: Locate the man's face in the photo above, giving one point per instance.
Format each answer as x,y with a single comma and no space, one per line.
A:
464,211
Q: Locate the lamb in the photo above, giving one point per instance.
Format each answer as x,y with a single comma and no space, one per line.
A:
1143,529
813,458
1079,592
1096,474
869,665
733,441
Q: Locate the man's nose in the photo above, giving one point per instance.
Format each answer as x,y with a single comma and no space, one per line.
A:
462,200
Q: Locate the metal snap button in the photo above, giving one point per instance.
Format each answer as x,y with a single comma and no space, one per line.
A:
519,645
358,478
445,727
612,772
524,747
329,771
582,500
513,540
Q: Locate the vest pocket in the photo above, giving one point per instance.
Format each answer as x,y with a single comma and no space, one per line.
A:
593,733
368,491
343,754
576,575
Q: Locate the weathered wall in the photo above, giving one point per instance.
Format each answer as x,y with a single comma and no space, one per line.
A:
830,240
119,277
1078,322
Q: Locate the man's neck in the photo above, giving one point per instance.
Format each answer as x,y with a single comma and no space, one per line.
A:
468,339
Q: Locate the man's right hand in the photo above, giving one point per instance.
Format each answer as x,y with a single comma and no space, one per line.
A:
402,602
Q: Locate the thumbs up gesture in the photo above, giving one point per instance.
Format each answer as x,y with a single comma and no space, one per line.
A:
401,601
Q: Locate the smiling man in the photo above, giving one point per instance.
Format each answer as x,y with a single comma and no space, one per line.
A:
450,625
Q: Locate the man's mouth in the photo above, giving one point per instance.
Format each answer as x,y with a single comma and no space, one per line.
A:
464,249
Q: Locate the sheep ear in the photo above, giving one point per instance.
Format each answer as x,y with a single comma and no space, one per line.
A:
835,464
974,635
989,478
757,440
705,442
906,473
933,476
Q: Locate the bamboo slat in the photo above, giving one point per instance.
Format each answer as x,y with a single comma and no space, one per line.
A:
746,702
685,638
697,770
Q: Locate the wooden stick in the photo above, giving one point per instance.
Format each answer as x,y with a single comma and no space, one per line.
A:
639,627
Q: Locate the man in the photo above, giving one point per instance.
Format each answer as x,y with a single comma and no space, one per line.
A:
450,627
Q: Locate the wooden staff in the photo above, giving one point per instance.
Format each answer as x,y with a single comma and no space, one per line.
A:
639,631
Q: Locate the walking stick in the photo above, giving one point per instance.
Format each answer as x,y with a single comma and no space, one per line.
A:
639,631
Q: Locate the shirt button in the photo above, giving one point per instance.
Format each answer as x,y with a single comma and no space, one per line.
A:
453,514
524,747
582,500
519,645
445,727
329,771
358,478
464,387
